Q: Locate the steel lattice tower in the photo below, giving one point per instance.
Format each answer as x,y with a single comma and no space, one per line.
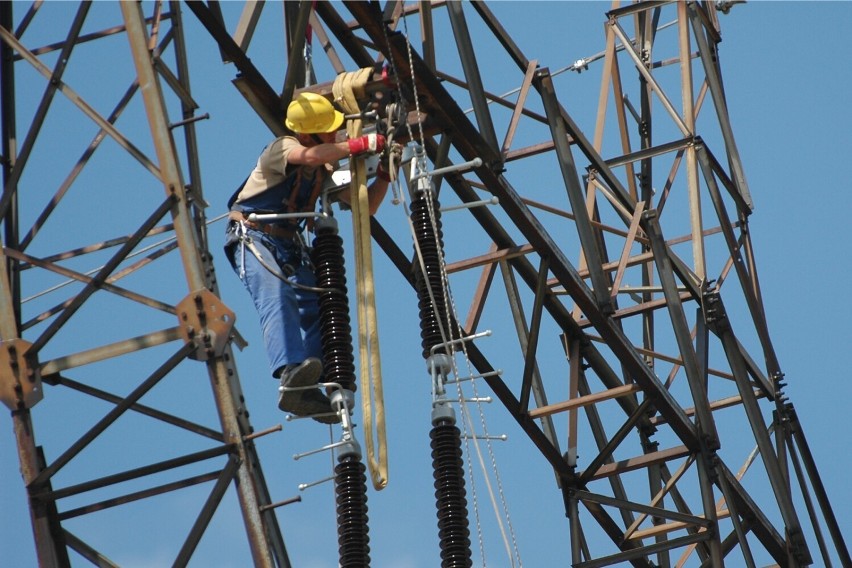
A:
631,253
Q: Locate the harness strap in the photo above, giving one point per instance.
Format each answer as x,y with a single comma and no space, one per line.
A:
319,176
276,231
246,242
294,190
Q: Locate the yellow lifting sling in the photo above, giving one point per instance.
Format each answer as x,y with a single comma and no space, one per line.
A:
347,88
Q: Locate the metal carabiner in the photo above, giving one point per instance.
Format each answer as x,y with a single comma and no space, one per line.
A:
242,235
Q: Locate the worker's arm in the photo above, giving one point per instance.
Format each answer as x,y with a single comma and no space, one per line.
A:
325,153
330,151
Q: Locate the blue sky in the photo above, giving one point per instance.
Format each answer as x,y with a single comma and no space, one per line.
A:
787,83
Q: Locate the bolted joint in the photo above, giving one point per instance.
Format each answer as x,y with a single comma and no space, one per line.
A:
206,322
715,314
20,381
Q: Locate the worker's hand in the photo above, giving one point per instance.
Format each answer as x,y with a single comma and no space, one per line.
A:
373,143
389,161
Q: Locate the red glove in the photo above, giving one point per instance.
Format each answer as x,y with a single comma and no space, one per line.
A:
373,143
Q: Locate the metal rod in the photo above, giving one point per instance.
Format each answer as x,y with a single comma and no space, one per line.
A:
474,163
93,285
189,120
496,373
455,10
266,217
485,333
322,449
135,496
471,205
291,500
501,437
134,473
271,430
303,486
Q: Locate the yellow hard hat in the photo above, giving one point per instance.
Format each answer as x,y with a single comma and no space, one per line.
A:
310,113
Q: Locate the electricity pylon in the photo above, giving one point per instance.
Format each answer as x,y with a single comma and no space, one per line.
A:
653,298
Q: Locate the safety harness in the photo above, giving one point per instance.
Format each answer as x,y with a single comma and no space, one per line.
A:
291,187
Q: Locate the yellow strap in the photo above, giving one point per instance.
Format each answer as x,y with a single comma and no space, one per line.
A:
372,393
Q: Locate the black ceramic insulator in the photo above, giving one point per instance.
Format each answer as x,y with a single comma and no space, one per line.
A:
353,539
450,500
432,318
335,328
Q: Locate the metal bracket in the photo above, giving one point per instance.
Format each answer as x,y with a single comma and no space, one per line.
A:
20,385
205,320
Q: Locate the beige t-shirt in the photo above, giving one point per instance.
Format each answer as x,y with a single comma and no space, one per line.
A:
272,168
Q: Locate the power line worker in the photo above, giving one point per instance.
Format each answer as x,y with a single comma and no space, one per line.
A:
271,258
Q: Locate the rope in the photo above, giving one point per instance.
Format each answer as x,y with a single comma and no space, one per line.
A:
346,89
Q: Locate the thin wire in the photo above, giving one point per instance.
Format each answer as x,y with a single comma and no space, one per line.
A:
443,332
450,308
143,250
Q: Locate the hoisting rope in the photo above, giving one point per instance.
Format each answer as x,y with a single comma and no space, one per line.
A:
451,309
347,89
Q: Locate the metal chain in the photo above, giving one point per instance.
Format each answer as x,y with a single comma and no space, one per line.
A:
413,83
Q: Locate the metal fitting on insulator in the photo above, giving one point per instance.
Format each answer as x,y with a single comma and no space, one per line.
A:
419,172
439,362
439,366
349,448
343,402
342,398
443,413
325,223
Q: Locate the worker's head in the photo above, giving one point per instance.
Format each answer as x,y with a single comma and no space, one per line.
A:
310,113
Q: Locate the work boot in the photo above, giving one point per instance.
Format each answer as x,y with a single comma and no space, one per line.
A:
294,379
321,409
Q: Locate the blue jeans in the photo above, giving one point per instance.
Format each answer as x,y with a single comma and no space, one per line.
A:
289,316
